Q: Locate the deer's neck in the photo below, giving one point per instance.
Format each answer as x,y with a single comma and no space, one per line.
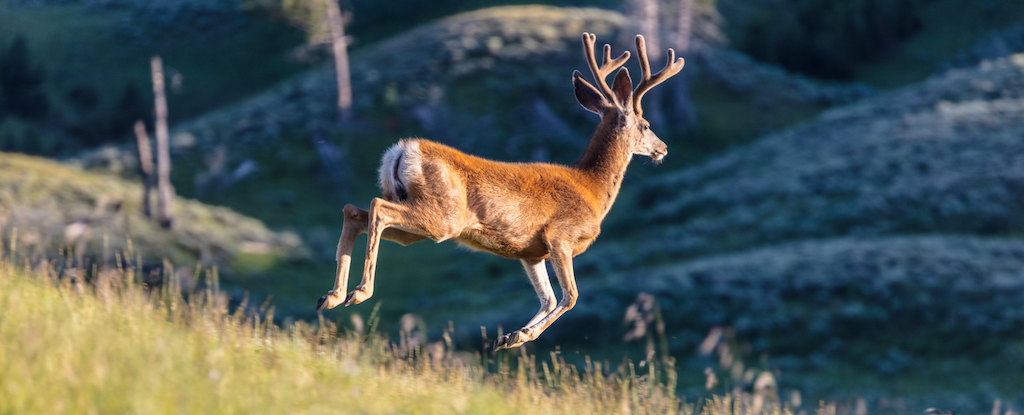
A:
604,163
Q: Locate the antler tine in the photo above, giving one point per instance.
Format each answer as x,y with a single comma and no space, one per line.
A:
641,55
608,65
648,81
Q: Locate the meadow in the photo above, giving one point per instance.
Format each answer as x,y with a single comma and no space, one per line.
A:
104,341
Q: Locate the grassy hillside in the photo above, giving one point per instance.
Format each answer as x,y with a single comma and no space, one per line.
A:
930,321
846,296
46,206
115,348
942,156
448,80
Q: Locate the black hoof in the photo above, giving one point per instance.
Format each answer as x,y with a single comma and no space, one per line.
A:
506,342
321,304
350,299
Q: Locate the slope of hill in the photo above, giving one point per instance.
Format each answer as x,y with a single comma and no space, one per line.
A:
932,320
843,295
118,348
995,45
943,156
494,82
46,206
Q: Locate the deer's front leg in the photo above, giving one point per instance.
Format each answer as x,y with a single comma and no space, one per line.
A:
561,260
355,223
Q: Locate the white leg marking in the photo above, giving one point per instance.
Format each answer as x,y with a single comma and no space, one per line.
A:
538,274
561,260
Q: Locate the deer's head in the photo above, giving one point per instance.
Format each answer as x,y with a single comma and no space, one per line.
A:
619,105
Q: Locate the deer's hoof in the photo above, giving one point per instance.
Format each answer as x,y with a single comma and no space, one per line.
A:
510,341
330,300
356,296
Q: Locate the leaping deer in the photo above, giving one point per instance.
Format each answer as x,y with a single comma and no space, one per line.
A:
527,211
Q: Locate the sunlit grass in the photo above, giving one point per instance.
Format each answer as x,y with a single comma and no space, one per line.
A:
101,342
57,206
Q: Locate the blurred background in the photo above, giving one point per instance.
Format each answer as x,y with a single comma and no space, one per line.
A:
842,206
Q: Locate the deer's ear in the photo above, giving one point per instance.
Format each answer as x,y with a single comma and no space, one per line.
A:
623,88
588,96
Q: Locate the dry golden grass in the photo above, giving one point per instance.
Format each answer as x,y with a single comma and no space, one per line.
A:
112,345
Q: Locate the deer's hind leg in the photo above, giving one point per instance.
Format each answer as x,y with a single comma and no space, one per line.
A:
356,222
387,217
542,285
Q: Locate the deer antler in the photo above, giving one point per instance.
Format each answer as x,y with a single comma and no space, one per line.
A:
607,67
672,67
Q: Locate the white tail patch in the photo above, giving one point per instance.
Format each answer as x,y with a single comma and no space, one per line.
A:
400,166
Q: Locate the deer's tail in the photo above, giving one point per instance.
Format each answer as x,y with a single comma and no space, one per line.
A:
399,167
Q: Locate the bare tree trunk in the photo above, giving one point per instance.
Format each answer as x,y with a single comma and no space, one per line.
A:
165,191
339,45
332,157
684,30
145,166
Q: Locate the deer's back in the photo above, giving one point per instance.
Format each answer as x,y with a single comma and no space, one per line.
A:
503,208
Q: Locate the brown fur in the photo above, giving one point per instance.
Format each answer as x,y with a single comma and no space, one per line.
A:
527,211
507,208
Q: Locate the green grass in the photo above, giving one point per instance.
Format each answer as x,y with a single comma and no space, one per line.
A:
44,201
113,346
